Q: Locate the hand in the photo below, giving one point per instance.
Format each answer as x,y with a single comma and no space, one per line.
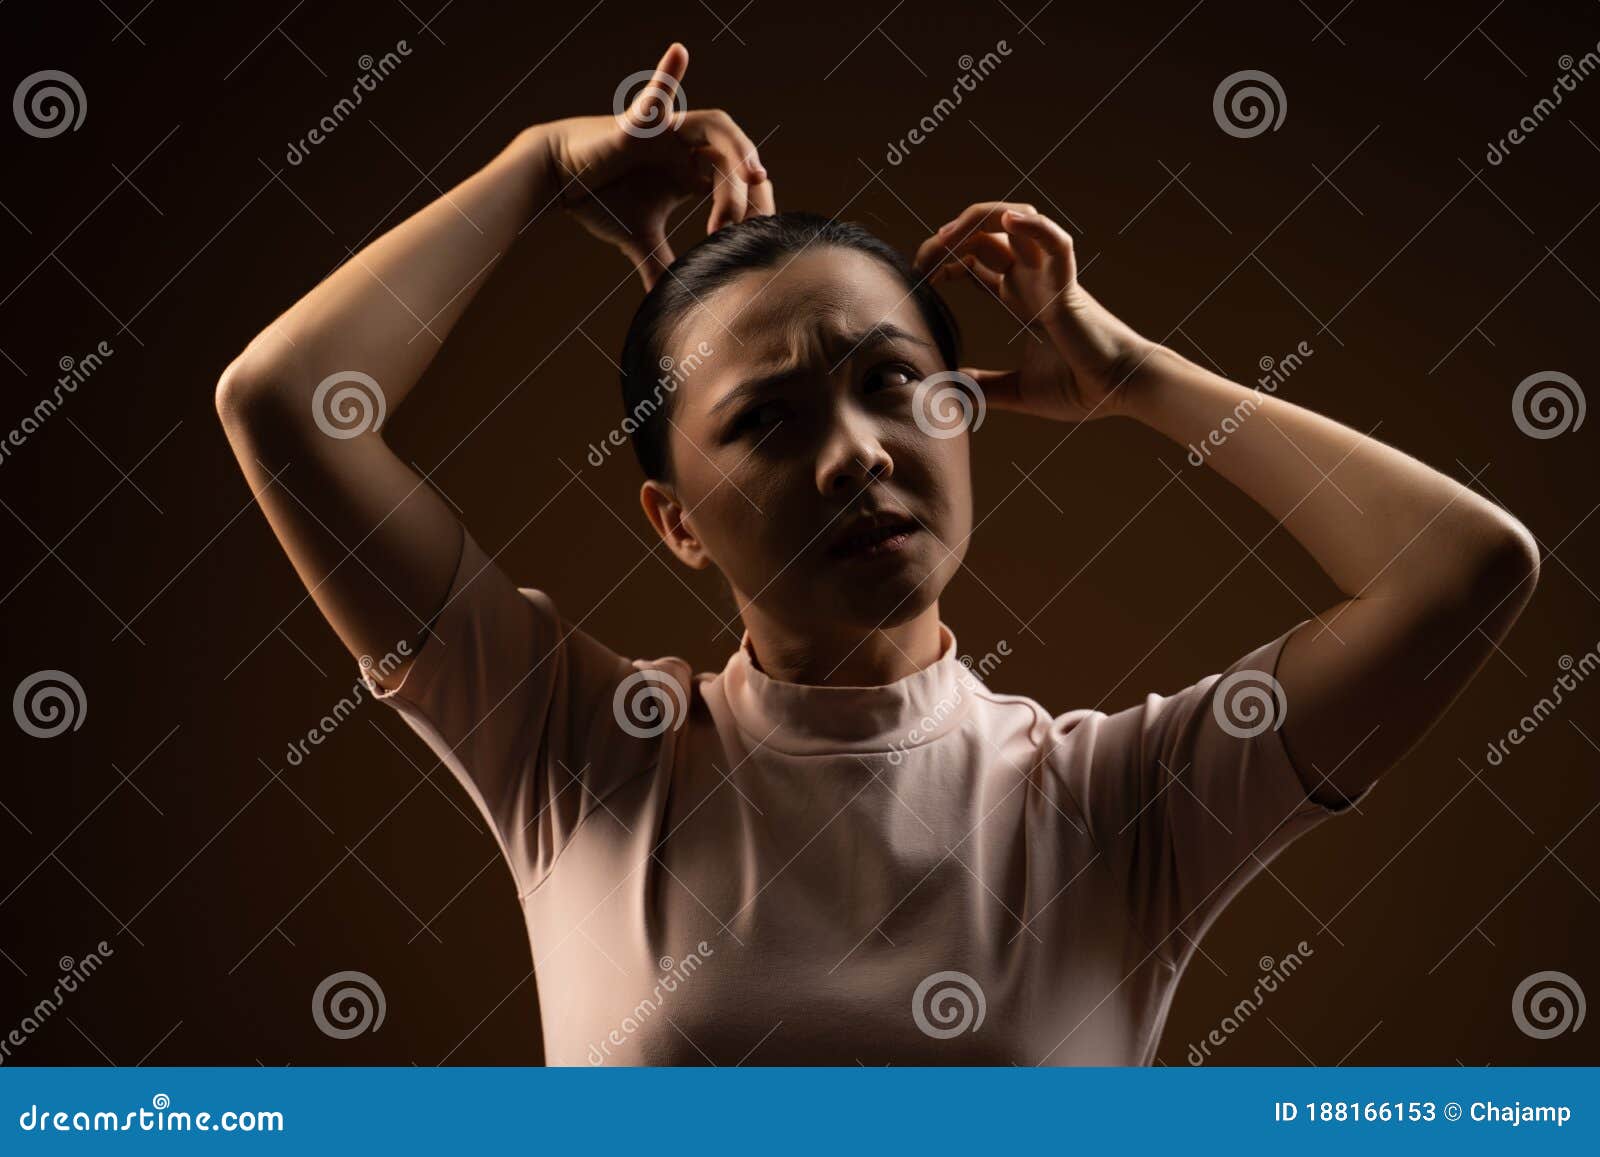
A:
623,176
1079,353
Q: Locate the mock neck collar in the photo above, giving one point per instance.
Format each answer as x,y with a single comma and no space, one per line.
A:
811,719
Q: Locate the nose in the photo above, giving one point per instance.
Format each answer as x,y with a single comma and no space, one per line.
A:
852,458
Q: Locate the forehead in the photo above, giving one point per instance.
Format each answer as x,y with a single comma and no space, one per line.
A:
794,313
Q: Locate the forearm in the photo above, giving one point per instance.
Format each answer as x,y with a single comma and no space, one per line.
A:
386,310
1379,522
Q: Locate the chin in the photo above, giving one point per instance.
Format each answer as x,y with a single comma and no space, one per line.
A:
889,599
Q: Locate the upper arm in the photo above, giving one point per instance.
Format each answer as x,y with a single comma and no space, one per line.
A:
374,545
1368,681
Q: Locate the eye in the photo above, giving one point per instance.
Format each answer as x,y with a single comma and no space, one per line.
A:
892,376
756,417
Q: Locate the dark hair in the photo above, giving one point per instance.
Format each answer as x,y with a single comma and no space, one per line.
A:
754,243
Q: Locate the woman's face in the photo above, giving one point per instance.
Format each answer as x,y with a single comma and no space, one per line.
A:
800,419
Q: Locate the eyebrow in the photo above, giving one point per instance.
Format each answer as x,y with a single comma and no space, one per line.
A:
884,333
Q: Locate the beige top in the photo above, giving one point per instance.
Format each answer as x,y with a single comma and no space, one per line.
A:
727,868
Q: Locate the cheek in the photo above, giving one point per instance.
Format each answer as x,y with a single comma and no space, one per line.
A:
942,478
941,469
735,508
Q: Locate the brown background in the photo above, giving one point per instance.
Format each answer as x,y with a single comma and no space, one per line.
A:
227,894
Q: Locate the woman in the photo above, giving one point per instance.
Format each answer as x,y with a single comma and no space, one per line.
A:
844,846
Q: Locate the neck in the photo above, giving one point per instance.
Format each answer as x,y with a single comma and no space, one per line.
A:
843,658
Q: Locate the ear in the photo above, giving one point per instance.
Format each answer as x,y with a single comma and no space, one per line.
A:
667,515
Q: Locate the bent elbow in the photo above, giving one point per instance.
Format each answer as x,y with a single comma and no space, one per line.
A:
244,391
1519,562
1507,572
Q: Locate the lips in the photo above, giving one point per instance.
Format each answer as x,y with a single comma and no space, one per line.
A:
865,531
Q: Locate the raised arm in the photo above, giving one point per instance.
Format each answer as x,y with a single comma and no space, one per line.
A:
1433,575
303,404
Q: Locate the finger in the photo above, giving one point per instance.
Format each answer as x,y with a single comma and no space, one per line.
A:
948,240
982,216
659,97
985,275
730,197
993,249
969,267
763,198
1001,389
651,257
1050,239
736,158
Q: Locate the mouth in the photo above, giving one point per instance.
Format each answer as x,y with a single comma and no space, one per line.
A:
874,536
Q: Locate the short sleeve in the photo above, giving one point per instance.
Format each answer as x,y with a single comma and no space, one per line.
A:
1189,796
517,703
